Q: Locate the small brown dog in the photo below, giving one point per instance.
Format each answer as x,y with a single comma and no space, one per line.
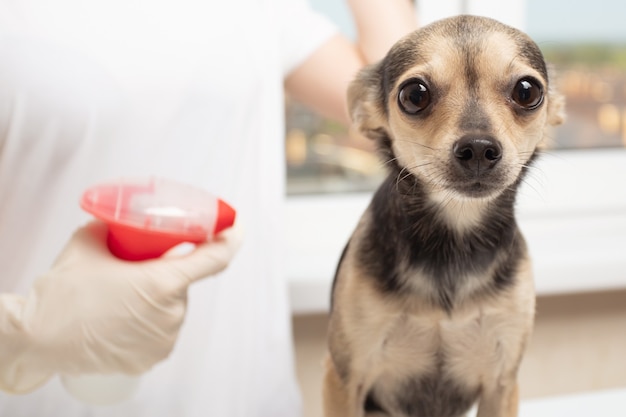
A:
433,301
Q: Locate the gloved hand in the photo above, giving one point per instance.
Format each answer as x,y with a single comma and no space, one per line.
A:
94,313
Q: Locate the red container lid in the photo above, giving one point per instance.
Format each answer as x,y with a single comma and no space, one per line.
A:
146,217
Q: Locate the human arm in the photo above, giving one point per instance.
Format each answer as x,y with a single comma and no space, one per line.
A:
321,80
380,23
93,313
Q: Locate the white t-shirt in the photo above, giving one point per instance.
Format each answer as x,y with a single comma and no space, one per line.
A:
184,89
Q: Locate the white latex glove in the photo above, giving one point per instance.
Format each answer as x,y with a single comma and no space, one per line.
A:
93,313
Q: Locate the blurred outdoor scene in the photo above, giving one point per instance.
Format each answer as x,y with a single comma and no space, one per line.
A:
593,79
325,157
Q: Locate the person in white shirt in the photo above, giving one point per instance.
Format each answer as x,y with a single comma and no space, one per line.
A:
192,90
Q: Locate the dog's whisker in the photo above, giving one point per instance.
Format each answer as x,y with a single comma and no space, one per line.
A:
390,160
398,179
419,144
534,189
552,154
407,175
407,171
534,172
539,181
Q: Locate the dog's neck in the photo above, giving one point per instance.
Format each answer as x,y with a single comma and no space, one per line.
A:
411,231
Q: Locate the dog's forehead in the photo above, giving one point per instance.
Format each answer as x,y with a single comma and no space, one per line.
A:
461,45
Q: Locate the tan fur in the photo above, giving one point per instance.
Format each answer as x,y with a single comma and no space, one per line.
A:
390,337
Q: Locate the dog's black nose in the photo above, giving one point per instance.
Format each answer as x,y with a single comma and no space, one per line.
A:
477,154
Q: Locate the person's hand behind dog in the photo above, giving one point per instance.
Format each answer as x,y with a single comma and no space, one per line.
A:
94,313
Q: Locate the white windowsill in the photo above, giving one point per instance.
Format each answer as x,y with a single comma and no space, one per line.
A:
572,210
607,403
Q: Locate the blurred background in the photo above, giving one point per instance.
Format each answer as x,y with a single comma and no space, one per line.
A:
572,210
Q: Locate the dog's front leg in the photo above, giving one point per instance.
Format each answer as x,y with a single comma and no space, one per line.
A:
340,399
499,401
337,399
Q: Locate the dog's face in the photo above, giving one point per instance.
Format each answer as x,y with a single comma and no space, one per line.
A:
462,104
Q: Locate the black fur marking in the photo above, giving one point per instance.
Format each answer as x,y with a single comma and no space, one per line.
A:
431,395
434,396
371,404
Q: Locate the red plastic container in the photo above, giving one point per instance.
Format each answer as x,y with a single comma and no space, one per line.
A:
147,217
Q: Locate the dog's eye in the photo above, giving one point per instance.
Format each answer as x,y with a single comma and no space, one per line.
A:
528,93
413,97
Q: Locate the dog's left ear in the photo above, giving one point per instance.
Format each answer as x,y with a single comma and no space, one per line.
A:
365,102
556,102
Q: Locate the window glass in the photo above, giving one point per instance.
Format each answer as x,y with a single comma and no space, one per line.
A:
586,45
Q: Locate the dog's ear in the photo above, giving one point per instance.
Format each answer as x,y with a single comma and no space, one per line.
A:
365,102
556,101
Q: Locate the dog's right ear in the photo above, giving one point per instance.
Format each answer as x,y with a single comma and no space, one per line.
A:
365,102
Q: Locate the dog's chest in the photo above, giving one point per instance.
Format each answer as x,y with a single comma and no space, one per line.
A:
435,364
